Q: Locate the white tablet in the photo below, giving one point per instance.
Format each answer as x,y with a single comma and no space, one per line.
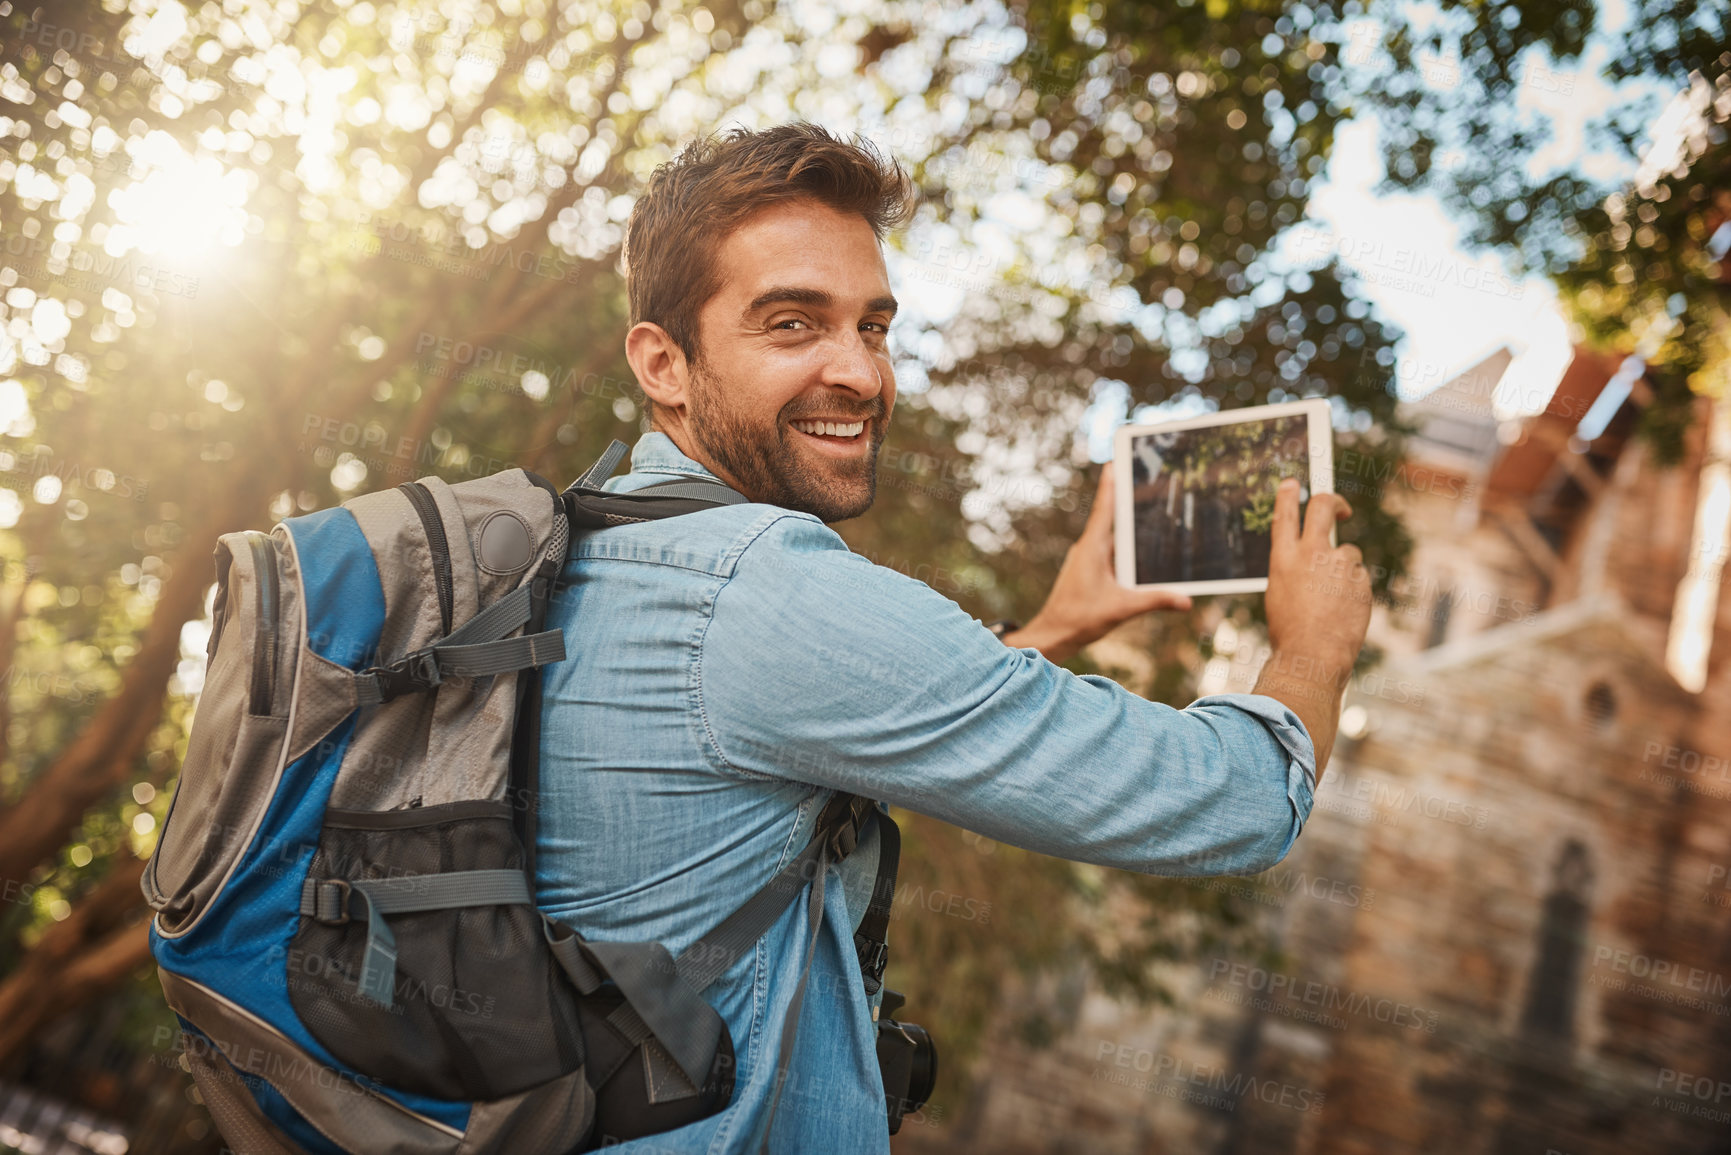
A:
1196,497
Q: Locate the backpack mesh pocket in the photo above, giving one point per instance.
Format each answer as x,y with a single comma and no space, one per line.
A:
480,1009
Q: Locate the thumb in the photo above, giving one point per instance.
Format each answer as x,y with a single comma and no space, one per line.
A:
1100,517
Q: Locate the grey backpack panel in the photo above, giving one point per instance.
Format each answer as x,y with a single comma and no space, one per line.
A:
242,720
456,744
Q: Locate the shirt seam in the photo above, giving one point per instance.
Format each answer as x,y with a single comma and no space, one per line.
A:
712,741
721,567
576,555
664,463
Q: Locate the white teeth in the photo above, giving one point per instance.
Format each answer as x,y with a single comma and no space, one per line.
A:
830,428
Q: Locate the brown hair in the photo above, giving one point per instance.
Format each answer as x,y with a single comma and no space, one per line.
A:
696,200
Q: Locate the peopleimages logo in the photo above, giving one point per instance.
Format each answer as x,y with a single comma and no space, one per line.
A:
1175,1078
1686,760
1662,970
1431,269
1682,1093
29,467
937,901
1325,997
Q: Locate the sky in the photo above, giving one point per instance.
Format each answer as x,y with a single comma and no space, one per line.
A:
1453,306
1457,306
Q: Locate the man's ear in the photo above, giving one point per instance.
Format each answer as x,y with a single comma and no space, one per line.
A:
659,364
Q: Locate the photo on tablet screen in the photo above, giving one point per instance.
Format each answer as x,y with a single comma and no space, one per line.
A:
1203,499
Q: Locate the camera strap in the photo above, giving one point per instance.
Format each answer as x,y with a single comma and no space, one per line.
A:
837,833
871,940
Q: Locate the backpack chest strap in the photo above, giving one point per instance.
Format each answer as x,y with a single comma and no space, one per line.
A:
475,649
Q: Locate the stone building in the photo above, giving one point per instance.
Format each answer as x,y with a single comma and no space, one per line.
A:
1507,928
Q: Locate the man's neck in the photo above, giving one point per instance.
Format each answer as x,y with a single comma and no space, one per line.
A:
680,435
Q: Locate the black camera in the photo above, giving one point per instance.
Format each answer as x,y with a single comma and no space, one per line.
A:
908,1060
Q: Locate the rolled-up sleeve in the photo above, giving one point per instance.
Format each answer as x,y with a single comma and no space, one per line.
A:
817,666
1295,744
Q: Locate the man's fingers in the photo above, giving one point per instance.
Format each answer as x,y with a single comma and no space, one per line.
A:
1162,600
1285,529
1325,509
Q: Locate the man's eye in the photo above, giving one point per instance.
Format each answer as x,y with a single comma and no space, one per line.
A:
788,323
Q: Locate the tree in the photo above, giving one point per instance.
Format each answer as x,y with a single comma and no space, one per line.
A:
260,259
256,259
1631,240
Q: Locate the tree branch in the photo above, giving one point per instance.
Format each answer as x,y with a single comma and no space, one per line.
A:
62,970
103,754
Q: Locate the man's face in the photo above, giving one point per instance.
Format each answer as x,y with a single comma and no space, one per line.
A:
792,388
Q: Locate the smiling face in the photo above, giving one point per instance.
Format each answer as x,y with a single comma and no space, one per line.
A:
791,391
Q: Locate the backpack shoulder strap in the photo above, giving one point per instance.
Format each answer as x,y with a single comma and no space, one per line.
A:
603,466
700,488
590,507
871,940
664,995
836,835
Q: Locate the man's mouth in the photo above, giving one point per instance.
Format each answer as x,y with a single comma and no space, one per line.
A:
834,432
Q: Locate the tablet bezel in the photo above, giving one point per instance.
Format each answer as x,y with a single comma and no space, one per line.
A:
1319,427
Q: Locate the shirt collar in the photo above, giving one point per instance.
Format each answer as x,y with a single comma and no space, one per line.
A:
656,453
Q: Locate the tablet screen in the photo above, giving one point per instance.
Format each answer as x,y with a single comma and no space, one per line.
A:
1202,500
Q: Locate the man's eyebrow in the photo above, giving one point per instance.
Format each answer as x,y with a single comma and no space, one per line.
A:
816,298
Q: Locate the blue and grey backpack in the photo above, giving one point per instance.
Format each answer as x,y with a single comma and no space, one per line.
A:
344,887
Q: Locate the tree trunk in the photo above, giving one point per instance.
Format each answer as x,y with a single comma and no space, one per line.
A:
76,959
102,756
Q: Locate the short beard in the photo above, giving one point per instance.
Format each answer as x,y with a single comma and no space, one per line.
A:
767,469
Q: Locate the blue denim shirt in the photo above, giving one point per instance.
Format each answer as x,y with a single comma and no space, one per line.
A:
732,668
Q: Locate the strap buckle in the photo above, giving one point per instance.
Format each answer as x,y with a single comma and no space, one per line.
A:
843,839
874,956
416,671
341,901
846,816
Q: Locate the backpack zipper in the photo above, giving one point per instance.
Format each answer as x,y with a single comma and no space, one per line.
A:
264,646
422,499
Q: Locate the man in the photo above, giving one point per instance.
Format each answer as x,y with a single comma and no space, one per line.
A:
732,668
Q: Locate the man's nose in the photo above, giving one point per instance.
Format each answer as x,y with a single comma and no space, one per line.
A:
854,365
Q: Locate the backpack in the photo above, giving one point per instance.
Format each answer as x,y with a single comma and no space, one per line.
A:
344,885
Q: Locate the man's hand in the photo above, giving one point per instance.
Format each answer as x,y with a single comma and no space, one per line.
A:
1318,607
1086,601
